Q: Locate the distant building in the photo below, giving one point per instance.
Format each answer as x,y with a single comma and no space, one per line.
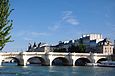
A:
114,48
105,47
65,45
97,37
90,41
41,47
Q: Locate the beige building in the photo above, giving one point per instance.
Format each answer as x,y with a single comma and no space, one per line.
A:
105,47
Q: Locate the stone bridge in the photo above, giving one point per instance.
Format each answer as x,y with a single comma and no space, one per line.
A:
48,59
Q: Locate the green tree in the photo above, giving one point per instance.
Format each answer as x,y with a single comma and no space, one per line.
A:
72,49
77,49
60,50
5,23
81,48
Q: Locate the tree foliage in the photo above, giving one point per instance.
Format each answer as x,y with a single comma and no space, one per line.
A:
77,49
5,23
60,50
72,49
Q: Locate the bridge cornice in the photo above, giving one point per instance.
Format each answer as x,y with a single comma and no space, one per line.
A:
51,53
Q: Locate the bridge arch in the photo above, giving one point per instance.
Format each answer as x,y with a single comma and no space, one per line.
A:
60,61
11,60
101,59
82,61
36,60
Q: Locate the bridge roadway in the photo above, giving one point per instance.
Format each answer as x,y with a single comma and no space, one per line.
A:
47,58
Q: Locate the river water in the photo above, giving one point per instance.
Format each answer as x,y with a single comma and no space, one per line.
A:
56,71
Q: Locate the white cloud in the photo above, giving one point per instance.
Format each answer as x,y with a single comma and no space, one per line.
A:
72,21
66,14
69,18
66,18
38,34
27,33
30,36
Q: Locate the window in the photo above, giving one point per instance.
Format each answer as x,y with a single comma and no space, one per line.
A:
105,48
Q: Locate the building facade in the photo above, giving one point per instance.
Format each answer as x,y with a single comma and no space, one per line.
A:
93,43
41,47
105,46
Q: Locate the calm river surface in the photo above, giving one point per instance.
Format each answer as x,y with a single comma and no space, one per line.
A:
56,71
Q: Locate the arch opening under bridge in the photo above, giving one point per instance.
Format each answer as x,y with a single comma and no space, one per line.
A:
10,61
82,62
36,61
60,61
102,59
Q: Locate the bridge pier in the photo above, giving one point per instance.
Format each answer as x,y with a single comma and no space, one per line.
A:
50,60
50,63
23,59
70,62
74,58
0,62
1,58
22,63
47,63
73,62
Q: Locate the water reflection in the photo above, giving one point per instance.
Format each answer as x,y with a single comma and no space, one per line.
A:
56,71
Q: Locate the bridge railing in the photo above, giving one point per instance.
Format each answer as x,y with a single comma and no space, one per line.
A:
50,53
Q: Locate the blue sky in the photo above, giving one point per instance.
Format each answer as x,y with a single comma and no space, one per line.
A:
53,20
